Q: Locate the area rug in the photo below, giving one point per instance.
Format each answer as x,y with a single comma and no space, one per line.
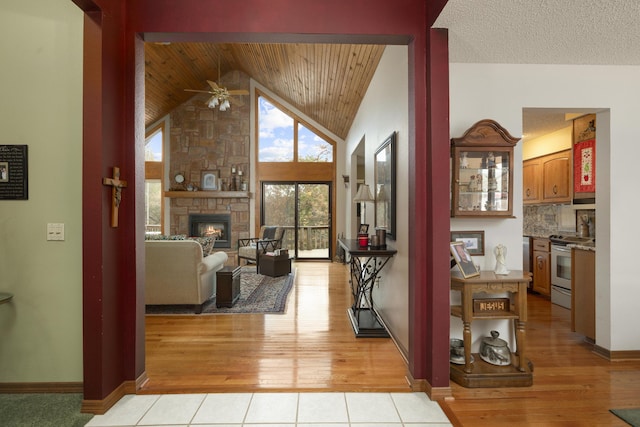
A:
258,294
42,410
631,415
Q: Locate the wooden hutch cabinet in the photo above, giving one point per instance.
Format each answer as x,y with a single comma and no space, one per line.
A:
482,171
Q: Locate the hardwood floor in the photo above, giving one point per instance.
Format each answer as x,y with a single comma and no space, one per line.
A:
572,386
312,348
309,348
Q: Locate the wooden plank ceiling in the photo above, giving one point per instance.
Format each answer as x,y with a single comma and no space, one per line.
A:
325,81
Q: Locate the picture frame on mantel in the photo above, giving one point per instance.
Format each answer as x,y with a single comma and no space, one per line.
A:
210,180
384,170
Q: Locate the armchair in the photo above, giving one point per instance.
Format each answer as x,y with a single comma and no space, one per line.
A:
269,240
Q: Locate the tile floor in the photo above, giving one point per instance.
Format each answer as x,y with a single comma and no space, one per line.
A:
275,409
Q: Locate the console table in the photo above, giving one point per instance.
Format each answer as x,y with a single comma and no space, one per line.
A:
366,265
475,372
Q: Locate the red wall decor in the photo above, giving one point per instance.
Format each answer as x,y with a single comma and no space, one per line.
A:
584,166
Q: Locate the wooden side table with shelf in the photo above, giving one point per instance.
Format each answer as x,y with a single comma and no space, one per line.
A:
477,372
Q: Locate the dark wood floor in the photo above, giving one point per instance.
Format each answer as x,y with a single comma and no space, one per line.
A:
312,348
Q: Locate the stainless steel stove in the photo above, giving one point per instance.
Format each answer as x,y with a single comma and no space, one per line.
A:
561,267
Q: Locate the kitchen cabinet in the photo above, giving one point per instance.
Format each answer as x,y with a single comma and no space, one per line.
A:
583,293
556,177
541,266
531,179
584,155
547,179
482,171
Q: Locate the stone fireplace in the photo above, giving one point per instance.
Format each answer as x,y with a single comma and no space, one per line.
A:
204,139
212,225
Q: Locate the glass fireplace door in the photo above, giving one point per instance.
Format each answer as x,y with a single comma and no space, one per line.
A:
304,209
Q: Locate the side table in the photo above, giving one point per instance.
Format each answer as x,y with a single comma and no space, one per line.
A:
274,265
365,264
476,372
227,286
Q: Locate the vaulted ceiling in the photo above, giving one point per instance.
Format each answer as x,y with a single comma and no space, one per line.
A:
325,81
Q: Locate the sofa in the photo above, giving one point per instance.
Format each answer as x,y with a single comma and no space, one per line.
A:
178,273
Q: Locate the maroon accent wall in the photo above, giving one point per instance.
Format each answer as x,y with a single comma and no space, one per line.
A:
113,273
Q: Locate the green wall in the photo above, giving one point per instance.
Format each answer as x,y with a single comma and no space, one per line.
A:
41,106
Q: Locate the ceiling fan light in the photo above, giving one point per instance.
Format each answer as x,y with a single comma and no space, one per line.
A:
225,105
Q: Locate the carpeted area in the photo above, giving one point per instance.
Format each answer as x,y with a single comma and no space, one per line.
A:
42,410
258,294
630,415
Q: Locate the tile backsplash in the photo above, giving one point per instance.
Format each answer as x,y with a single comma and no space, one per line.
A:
544,220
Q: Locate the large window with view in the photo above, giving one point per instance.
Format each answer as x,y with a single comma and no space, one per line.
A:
153,156
296,167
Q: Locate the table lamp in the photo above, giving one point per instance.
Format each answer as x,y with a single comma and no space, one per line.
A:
363,196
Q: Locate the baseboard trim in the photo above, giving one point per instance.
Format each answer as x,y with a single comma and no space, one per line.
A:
616,356
434,393
99,407
70,387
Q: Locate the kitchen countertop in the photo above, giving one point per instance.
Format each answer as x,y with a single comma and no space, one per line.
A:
582,247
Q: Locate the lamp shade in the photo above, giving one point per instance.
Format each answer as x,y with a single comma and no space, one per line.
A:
363,194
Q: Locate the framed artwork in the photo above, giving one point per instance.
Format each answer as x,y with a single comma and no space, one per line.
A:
584,170
364,229
463,259
473,241
14,172
384,167
210,180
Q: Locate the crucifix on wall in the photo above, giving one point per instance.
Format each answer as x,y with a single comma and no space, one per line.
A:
116,193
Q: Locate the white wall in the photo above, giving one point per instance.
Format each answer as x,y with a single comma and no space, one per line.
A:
500,91
384,110
41,106
549,143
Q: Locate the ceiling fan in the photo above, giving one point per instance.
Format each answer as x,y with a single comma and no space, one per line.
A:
221,96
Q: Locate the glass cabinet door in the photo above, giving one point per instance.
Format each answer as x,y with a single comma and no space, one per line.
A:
482,171
482,181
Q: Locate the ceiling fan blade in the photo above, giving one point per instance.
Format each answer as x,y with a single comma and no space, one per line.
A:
201,91
213,85
238,92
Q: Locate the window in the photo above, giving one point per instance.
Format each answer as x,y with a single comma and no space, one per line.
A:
311,147
282,138
154,167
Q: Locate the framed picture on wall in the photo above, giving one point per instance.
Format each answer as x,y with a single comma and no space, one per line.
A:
473,241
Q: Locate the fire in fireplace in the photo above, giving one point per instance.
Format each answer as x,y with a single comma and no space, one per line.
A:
212,225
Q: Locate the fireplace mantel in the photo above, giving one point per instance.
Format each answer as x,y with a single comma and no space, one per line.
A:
208,194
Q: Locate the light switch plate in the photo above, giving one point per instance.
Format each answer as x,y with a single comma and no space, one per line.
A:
55,231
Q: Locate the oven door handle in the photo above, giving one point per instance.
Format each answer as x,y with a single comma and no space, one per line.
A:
561,248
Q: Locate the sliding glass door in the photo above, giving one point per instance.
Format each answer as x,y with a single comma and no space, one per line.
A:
304,209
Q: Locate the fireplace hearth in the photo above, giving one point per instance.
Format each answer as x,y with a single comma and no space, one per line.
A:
212,225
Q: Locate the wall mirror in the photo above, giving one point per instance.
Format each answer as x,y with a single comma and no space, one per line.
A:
385,186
